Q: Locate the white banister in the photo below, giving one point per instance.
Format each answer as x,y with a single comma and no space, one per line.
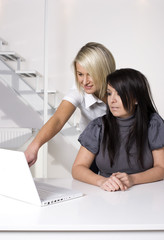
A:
45,146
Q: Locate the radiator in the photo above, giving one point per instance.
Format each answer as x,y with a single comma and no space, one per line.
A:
13,138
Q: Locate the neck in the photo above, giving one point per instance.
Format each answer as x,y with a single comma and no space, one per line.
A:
104,99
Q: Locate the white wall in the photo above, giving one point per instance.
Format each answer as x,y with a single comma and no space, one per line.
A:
132,30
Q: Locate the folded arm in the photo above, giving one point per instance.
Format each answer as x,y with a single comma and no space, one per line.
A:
81,172
153,174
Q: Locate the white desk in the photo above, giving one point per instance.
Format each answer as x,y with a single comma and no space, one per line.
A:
134,214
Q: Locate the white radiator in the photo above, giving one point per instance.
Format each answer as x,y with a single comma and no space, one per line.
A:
14,138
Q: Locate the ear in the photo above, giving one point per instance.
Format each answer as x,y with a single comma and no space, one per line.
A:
135,101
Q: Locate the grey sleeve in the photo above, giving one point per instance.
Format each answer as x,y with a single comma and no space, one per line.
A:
156,132
90,137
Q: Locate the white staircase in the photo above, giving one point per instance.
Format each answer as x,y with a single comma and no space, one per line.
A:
27,73
18,80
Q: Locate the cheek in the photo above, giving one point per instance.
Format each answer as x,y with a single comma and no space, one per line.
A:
92,82
108,100
122,107
79,79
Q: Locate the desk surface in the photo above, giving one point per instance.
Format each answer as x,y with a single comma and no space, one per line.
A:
139,208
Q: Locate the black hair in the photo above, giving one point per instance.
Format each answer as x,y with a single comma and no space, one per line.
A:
132,86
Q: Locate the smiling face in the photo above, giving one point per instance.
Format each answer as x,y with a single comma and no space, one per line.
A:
85,80
115,104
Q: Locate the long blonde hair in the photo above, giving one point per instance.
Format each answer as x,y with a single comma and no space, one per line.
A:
98,62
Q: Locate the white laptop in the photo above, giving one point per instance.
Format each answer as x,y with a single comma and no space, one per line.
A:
17,182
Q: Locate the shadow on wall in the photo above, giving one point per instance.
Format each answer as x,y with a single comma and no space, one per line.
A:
62,154
14,112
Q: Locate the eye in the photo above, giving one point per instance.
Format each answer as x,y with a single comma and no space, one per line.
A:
80,74
108,93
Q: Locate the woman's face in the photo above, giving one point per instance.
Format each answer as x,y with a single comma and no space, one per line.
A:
85,80
115,104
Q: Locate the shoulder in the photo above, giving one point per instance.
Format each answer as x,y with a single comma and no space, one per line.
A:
90,138
156,131
155,118
97,122
74,96
156,123
94,126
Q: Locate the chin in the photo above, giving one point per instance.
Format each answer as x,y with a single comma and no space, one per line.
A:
89,91
115,114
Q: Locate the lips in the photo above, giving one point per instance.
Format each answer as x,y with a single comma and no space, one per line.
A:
87,87
114,108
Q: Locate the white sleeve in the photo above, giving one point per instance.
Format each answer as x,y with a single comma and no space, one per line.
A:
74,96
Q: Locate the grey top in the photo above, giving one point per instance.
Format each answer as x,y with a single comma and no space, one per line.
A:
91,138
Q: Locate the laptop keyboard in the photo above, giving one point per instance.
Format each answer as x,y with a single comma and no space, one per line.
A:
45,187
50,194
47,191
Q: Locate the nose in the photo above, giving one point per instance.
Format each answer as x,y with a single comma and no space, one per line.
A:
113,98
85,79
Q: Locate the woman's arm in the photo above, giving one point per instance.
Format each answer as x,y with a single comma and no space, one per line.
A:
80,168
49,130
81,172
153,174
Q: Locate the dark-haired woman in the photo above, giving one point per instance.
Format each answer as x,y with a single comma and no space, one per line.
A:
128,142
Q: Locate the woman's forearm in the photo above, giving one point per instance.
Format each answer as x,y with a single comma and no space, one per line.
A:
49,130
54,124
84,174
155,173
152,175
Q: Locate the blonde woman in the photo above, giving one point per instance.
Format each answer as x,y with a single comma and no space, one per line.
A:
91,66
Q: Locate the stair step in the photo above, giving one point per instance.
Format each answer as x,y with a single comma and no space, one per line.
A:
49,92
3,42
28,73
11,56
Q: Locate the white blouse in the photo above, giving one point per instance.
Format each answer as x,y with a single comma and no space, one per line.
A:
90,106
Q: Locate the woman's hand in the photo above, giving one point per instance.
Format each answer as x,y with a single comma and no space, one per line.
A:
112,184
126,179
31,155
49,130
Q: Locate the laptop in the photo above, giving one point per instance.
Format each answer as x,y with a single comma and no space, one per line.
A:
16,182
